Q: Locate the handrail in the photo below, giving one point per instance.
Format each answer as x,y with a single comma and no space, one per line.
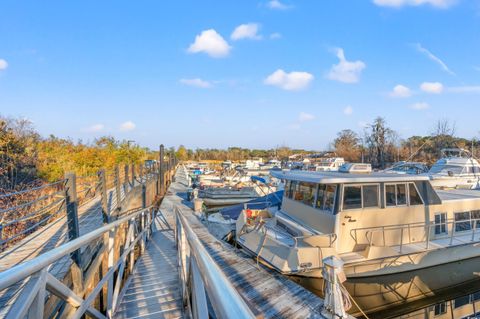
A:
225,299
28,268
450,231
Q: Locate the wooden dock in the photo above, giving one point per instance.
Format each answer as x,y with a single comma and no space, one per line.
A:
269,293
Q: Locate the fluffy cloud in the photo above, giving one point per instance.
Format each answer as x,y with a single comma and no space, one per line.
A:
95,128
400,91
346,71
292,81
400,3
420,106
246,31
127,126
432,87
348,110
3,64
277,5
305,117
199,83
211,43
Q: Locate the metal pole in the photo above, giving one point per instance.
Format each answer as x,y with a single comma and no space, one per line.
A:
72,212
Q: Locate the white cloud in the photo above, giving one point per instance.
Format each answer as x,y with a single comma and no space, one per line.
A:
420,106
464,89
348,110
275,35
246,31
277,5
401,91
3,64
305,117
199,83
400,3
95,128
434,58
432,87
293,81
346,71
127,126
211,43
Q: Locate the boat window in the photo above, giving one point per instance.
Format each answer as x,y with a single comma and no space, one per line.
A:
320,196
401,194
306,193
370,195
414,197
462,221
288,191
352,197
440,309
460,302
440,223
293,187
475,215
390,195
444,169
330,192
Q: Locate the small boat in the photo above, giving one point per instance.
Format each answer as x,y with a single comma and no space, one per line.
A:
329,164
456,169
225,196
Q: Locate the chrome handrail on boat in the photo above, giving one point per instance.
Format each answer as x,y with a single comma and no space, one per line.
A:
449,232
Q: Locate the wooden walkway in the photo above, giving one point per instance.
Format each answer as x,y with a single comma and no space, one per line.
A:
271,294
153,290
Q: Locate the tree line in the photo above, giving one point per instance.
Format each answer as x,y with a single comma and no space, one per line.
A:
26,158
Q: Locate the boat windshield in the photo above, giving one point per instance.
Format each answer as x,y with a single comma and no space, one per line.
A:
445,169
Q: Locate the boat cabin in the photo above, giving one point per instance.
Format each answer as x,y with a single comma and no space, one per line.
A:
335,202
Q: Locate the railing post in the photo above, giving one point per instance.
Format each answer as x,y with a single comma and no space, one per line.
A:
103,189
133,174
334,276
161,171
117,188
72,212
140,170
127,179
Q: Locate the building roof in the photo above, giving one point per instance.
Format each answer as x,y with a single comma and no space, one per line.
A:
340,178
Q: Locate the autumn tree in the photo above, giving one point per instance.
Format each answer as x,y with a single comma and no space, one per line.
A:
347,145
182,153
380,141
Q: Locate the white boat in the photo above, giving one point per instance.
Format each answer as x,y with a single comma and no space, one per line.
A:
329,164
376,223
411,168
456,169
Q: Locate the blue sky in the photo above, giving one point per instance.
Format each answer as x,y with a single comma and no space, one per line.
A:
245,73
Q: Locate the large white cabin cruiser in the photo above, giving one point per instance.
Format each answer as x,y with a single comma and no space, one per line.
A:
377,223
456,169
329,164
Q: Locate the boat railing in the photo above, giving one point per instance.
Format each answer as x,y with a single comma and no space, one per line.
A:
404,234
37,282
203,284
311,240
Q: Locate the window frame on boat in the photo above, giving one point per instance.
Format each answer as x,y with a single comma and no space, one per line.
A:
408,202
361,185
442,224
291,190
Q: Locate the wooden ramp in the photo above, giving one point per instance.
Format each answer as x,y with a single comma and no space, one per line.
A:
271,294
153,290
